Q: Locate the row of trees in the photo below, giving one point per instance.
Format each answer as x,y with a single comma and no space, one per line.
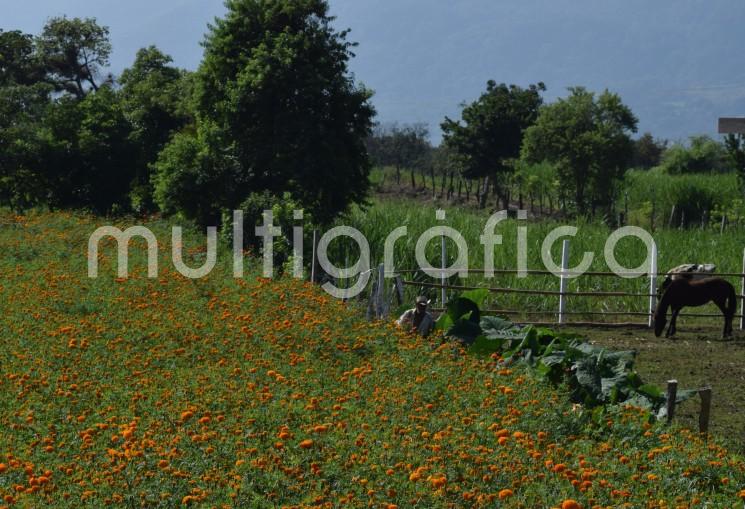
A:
272,112
584,136
576,149
70,137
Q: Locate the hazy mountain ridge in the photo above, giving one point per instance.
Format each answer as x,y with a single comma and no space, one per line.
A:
668,59
678,64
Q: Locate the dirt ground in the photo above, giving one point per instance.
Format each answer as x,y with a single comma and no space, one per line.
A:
697,357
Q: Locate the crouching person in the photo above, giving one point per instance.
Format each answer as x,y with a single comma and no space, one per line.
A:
418,319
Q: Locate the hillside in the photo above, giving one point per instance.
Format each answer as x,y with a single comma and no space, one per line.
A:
256,393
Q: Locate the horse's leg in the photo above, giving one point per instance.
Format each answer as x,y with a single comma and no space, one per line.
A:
722,305
673,329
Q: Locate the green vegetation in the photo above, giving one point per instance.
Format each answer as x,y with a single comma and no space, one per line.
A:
486,143
595,376
272,108
587,139
675,247
172,392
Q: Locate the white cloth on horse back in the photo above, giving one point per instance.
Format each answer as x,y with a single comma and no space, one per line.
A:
692,270
406,321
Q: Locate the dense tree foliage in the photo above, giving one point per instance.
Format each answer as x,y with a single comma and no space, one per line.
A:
273,114
489,136
23,99
19,64
702,155
156,100
274,92
587,137
90,159
648,151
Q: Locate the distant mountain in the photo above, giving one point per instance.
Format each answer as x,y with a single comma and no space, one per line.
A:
677,63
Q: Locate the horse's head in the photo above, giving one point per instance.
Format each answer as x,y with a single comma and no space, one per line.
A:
659,323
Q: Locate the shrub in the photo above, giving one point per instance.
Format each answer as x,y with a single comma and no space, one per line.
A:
702,155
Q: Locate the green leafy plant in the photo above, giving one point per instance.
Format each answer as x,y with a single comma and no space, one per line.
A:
594,375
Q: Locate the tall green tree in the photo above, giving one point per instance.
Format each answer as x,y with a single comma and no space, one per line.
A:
275,85
588,139
24,96
648,151
89,159
156,98
74,51
488,137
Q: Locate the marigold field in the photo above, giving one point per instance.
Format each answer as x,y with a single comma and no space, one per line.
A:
253,393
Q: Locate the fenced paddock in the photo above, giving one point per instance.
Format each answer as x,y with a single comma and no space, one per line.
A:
563,312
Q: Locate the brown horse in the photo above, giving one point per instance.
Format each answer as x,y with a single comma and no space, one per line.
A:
697,292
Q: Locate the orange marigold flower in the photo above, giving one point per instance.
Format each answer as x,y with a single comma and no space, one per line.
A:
306,444
570,504
505,493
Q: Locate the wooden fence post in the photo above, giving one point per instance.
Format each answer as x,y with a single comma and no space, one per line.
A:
742,294
564,278
703,418
399,287
443,266
672,394
653,285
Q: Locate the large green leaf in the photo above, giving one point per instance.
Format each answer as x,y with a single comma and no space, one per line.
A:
477,296
458,309
486,346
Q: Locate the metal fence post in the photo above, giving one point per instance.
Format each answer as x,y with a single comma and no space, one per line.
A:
443,266
380,297
564,278
653,285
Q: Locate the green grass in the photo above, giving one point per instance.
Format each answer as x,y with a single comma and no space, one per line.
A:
675,247
696,195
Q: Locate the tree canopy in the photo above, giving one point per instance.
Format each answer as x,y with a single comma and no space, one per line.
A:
275,91
74,51
588,139
490,134
156,98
